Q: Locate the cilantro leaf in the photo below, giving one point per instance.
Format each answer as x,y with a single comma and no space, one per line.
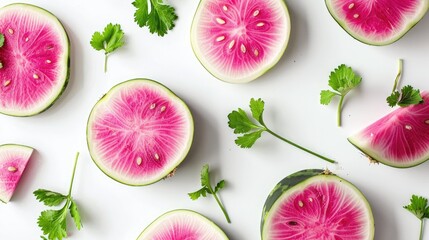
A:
257,109
1,40
326,96
160,19
418,206
111,39
407,96
205,176
53,223
247,140
49,198
393,99
74,213
240,122
342,80
219,186
199,193
207,189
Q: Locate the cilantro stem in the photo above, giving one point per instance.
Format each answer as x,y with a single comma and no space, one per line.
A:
221,206
105,62
421,229
300,147
340,107
399,75
74,171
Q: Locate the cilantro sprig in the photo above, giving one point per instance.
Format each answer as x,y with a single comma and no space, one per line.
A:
407,96
252,129
54,222
208,189
109,40
342,80
159,17
1,45
419,207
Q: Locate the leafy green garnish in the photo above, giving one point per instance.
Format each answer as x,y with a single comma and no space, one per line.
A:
160,19
342,80
208,189
252,129
111,39
53,222
408,95
419,207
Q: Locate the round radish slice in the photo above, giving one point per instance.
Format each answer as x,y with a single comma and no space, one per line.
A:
182,225
139,132
399,139
378,22
239,40
314,204
13,160
35,60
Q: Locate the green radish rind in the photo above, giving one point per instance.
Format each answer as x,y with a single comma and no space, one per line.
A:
374,157
362,39
206,65
169,214
66,60
175,98
16,147
299,180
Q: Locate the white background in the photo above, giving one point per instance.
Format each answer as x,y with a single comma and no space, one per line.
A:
291,91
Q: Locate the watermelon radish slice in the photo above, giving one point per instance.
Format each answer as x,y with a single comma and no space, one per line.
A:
380,22
182,225
35,60
399,139
239,40
13,160
314,204
139,132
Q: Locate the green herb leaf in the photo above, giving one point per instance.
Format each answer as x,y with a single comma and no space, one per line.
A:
326,96
111,39
257,109
49,198
74,213
242,124
197,194
160,19
1,40
247,140
205,176
53,223
418,206
342,80
393,99
407,96
207,189
219,186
